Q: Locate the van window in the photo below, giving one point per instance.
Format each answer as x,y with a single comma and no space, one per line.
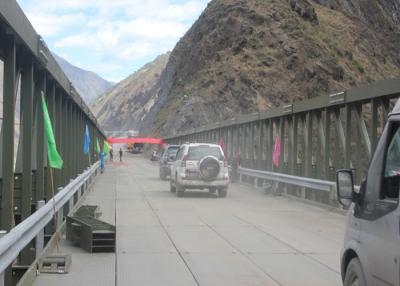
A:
382,186
391,177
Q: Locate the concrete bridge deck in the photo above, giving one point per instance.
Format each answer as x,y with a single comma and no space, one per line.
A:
248,238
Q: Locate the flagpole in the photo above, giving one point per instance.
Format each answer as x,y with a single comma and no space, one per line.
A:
54,208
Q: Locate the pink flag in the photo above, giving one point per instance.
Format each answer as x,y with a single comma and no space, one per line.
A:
222,144
277,152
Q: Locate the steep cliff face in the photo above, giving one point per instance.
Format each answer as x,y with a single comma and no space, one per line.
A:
128,102
246,56
89,85
380,14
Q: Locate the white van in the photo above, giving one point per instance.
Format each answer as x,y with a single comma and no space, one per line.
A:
371,252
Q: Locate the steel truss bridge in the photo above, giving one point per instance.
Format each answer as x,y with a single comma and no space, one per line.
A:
246,238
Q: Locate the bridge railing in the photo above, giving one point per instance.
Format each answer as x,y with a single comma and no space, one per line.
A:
317,136
13,242
300,185
29,70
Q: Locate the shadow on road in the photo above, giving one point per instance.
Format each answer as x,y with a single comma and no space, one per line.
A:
198,194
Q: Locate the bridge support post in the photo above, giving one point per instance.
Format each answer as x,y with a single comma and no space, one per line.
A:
27,92
7,160
40,144
60,215
39,242
2,275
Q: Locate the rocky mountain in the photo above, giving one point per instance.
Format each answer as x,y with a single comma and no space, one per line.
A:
244,56
89,85
128,102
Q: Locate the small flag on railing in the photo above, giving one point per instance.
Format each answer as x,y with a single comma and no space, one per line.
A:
106,148
54,158
98,150
276,156
86,144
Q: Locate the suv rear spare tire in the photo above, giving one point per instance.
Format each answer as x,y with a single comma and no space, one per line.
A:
209,168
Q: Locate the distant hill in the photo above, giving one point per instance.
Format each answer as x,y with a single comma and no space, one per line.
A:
128,102
89,85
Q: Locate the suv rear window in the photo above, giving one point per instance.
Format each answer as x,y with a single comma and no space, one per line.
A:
198,152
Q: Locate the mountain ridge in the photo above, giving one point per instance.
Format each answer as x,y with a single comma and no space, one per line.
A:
129,100
88,84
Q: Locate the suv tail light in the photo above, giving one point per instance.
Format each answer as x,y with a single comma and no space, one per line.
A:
183,163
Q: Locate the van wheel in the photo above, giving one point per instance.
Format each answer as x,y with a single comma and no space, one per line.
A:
354,274
222,192
179,190
172,188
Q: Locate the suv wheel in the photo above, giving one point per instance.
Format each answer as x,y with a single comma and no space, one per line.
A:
212,190
179,190
172,188
222,192
354,274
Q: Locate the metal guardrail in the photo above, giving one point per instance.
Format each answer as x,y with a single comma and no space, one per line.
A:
328,187
21,235
322,185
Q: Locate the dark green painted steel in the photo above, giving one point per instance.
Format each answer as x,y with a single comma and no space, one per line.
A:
29,68
318,136
27,93
40,140
8,126
14,19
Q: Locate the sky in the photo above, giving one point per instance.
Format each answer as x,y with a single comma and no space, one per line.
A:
113,38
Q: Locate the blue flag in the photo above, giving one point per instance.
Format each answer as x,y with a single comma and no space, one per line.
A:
86,145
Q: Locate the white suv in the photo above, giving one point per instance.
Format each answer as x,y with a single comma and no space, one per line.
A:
200,166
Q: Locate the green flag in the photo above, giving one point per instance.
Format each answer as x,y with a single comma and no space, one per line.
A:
97,146
106,148
54,159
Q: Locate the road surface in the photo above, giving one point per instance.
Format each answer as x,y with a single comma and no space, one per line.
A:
247,238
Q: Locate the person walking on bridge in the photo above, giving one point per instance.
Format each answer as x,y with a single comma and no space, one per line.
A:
102,158
120,154
111,155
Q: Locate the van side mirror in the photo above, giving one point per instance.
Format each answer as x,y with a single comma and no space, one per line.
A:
345,187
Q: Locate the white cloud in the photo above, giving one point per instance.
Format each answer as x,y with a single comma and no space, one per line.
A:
49,25
116,32
127,40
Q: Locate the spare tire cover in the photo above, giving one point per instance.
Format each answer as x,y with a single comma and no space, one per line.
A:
209,168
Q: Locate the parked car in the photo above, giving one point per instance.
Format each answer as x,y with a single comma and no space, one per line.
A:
200,166
167,158
371,252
